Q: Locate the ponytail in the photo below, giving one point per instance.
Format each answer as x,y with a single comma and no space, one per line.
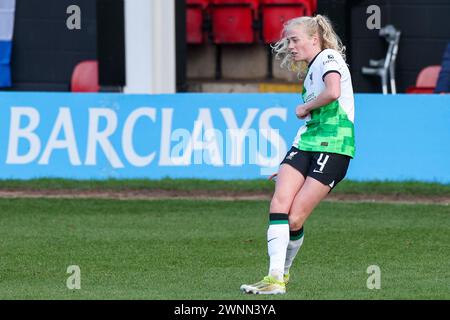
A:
328,37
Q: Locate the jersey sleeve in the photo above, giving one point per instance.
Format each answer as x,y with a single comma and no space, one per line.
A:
331,63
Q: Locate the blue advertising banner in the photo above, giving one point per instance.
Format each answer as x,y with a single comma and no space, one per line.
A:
212,136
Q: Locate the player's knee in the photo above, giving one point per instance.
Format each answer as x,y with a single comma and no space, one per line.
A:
280,203
295,224
297,219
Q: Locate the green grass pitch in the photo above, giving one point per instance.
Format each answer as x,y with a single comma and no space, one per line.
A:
187,249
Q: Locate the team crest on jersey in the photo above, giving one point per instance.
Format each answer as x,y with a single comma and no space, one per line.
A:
311,77
330,56
291,155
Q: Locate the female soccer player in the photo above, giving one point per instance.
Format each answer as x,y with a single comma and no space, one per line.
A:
323,147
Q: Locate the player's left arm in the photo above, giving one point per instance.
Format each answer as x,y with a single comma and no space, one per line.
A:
331,93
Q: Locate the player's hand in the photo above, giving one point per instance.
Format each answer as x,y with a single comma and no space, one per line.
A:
273,177
301,111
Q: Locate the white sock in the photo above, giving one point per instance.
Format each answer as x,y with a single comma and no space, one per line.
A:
296,241
277,243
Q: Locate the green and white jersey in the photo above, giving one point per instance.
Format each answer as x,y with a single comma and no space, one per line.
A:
328,128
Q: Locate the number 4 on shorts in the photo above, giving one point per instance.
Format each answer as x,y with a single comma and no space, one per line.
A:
322,163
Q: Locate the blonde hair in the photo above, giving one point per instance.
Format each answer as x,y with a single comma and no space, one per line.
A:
317,25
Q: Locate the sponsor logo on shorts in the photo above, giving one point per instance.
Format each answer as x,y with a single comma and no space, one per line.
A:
291,155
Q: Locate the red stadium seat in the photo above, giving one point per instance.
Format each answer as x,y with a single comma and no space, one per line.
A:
85,77
233,20
420,90
313,6
426,80
276,12
195,14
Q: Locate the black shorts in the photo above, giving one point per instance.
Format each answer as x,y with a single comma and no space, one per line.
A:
328,168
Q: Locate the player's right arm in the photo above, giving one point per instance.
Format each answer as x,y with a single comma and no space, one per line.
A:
331,93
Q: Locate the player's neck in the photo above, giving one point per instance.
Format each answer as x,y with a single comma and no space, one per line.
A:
314,53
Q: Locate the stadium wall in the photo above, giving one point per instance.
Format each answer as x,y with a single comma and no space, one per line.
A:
425,31
214,136
44,50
